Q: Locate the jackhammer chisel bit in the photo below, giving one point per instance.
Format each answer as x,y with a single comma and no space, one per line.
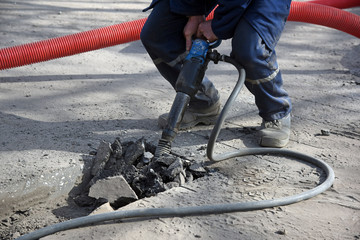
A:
187,85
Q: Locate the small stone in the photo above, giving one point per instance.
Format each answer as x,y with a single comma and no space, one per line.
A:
16,235
325,132
92,153
281,232
201,148
171,185
197,167
147,157
105,208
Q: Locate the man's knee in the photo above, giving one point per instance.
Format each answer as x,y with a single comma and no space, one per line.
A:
248,48
255,56
147,35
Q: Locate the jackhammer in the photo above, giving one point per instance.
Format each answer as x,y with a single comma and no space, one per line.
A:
187,85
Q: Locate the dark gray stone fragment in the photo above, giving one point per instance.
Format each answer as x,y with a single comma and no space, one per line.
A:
129,172
174,169
166,159
134,151
197,170
117,149
101,158
148,184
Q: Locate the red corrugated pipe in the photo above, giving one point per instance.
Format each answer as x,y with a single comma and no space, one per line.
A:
337,3
326,16
130,31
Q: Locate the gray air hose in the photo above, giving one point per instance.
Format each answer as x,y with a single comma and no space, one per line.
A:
206,209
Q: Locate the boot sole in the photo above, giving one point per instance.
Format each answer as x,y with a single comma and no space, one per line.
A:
271,142
205,121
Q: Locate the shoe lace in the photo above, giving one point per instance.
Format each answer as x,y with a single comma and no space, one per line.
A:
272,124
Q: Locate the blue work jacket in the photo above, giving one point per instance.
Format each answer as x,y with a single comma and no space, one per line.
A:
267,17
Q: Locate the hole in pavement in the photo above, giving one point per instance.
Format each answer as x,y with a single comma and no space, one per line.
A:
123,172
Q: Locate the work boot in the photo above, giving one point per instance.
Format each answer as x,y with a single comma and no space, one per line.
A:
275,133
193,117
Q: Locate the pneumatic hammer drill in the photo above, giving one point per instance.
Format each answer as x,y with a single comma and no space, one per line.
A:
187,85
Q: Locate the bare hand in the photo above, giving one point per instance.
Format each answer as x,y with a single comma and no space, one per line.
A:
205,31
191,29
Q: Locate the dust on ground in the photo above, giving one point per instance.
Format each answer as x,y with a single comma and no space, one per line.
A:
54,114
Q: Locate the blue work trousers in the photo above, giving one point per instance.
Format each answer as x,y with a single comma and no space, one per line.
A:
162,37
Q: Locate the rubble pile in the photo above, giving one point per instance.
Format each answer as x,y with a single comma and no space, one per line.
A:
124,172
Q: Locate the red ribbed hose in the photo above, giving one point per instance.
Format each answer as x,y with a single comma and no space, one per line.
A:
337,3
71,44
325,16
130,31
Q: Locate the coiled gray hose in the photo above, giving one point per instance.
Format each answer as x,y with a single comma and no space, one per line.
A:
206,209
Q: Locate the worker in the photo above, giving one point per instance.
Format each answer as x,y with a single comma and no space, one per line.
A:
254,27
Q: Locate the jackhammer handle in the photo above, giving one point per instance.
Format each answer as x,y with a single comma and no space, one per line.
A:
215,44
